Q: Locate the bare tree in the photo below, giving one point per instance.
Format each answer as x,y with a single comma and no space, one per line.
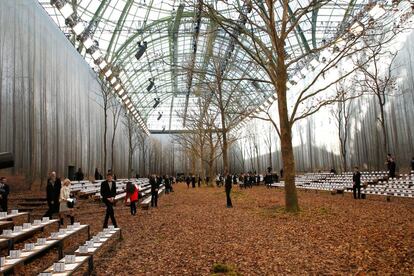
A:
381,83
132,132
116,110
268,140
262,30
143,152
342,114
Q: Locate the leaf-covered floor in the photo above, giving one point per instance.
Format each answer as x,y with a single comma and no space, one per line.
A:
191,230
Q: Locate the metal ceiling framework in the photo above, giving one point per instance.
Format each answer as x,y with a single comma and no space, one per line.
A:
180,41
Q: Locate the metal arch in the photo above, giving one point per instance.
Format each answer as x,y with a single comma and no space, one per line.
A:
314,22
119,25
132,79
119,51
173,32
299,31
97,16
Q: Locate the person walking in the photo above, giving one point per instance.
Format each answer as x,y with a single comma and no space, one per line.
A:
52,194
228,186
356,179
4,193
154,191
108,193
132,195
66,203
188,181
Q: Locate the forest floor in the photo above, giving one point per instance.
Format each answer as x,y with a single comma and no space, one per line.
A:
192,231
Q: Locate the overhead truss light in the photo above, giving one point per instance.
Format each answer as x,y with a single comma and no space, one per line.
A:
141,49
83,35
157,102
151,85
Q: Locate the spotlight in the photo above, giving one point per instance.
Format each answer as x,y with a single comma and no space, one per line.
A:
157,102
151,85
141,49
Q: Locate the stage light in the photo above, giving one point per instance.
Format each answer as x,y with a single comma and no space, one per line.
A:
108,73
124,97
159,116
141,49
151,85
88,43
78,28
96,55
357,28
117,87
66,10
157,102
102,64
376,12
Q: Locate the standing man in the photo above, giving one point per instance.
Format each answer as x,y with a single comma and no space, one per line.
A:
154,191
193,181
108,193
391,165
356,179
52,194
4,193
228,185
79,175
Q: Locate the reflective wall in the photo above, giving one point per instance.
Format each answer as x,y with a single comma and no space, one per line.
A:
50,101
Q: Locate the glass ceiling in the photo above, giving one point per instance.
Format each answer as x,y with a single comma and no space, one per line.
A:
169,28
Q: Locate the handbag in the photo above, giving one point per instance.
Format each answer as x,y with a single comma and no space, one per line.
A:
71,202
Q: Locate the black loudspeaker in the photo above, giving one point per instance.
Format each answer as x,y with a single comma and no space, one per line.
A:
6,160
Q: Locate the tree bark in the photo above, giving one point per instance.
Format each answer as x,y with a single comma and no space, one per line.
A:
291,198
105,130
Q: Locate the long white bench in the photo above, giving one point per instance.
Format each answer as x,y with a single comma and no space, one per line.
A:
146,202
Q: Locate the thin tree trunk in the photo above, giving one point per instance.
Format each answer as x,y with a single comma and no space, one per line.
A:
105,131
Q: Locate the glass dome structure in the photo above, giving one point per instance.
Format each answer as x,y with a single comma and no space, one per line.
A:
180,42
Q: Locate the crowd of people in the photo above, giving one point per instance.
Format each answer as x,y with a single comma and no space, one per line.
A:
60,201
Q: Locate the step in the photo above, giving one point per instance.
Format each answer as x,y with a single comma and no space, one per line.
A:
43,199
33,203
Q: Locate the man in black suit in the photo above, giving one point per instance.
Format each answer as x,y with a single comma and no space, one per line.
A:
228,185
356,179
155,185
108,193
391,165
4,193
52,194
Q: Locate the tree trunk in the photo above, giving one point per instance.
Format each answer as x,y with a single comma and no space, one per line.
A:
130,148
384,130
291,199
105,131
112,151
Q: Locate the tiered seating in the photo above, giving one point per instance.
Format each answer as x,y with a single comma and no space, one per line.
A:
84,254
12,264
394,187
375,182
20,233
32,250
